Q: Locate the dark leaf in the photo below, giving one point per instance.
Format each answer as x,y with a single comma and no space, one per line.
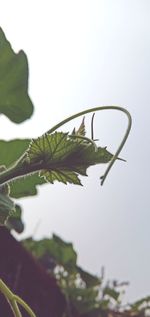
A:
111,292
14,221
88,278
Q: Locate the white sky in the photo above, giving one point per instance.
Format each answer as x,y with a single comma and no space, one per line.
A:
83,54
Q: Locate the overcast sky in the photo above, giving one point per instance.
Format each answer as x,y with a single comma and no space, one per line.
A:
83,54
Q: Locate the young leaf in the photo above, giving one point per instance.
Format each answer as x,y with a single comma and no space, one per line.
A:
14,100
81,130
63,157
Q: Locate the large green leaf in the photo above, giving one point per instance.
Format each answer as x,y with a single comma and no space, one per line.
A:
14,100
10,151
63,157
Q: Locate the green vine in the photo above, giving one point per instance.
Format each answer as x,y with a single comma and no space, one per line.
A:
24,166
56,156
14,300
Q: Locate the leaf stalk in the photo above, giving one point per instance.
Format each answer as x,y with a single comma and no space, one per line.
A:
13,299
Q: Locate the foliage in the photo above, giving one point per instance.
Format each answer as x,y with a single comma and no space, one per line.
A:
64,157
55,156
88,294
81,289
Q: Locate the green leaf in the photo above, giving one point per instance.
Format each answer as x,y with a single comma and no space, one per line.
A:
84,299
14,100
88,278
24,187
62,252
10,151
111,292
14,221
7,208
63,157
64,176
140,304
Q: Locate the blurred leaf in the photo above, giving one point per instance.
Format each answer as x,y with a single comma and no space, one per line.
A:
138,305
14,221
27,186
88,278
85,300
62,252
14,100
10,151
111,292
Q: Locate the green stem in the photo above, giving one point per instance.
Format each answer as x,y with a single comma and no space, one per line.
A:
10,298
15,308
13,299
92,129
24,305
99,109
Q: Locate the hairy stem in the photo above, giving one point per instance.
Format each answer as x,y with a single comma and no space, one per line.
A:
99,109
19,170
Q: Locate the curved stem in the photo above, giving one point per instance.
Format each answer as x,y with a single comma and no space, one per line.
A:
10,298
13,299
99,109
15,308
92,126
24,305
